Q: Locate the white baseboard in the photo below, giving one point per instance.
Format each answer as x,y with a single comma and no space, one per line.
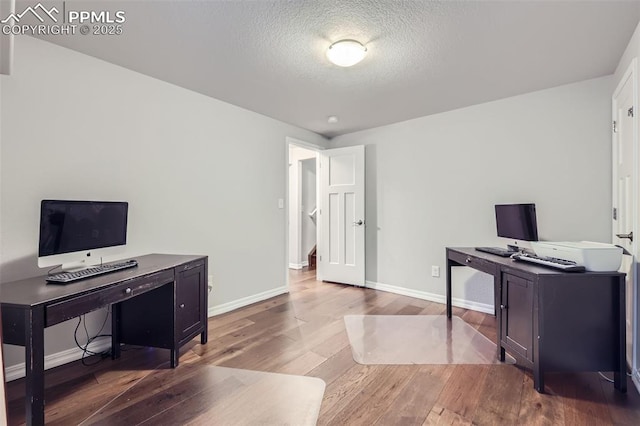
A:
230,306
635,379
54,360
299,265
432,297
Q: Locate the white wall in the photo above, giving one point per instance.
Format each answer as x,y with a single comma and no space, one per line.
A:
432,183
6,41
201,176
631,51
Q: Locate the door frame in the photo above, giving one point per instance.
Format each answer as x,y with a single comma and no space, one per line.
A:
631,74
289,141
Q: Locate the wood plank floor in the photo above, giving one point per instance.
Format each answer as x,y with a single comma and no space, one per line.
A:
303,333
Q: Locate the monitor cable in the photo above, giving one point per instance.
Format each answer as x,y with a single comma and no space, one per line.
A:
53,269
85,348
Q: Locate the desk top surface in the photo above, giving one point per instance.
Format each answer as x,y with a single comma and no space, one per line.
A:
520,265
35,291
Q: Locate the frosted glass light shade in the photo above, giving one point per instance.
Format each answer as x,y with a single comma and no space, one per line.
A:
346,53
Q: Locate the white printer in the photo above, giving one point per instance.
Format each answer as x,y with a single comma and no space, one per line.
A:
597,257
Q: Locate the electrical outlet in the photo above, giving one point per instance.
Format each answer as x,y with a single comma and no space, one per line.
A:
435,271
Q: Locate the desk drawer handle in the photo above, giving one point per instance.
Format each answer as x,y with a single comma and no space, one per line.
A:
468,260
182,306
191,266
128,290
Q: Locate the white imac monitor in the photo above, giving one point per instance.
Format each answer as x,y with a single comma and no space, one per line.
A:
76,234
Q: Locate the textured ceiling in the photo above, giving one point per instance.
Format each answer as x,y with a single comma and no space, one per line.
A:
424,57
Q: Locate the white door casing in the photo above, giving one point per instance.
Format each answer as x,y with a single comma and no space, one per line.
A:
625,195
341,247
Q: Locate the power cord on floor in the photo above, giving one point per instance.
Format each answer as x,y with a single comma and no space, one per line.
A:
608,379
605,377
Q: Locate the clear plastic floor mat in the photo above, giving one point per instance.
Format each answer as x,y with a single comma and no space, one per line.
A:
417,339
205,395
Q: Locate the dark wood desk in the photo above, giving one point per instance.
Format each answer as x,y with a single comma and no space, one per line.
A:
550,320
161,303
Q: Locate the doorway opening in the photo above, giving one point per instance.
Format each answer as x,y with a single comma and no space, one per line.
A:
302,207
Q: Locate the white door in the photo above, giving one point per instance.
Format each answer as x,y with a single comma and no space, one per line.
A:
342,222
624,191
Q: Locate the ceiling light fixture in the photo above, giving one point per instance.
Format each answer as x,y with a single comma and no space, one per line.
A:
332,119
346,53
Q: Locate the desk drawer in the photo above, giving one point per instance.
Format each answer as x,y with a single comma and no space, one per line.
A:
474,262
99,298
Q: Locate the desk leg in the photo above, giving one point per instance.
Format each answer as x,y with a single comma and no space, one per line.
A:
620,374
34,359
497,290
175,357
449,310
620,381
115,331
538,377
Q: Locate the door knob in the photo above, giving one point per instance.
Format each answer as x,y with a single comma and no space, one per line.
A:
360,222
629,236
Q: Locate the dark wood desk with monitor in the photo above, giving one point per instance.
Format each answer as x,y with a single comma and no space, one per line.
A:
550,320
160,303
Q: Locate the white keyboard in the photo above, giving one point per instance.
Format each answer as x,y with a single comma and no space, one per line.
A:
552,262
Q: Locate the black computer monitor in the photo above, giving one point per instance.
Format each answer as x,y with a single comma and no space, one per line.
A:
72,231
517,221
